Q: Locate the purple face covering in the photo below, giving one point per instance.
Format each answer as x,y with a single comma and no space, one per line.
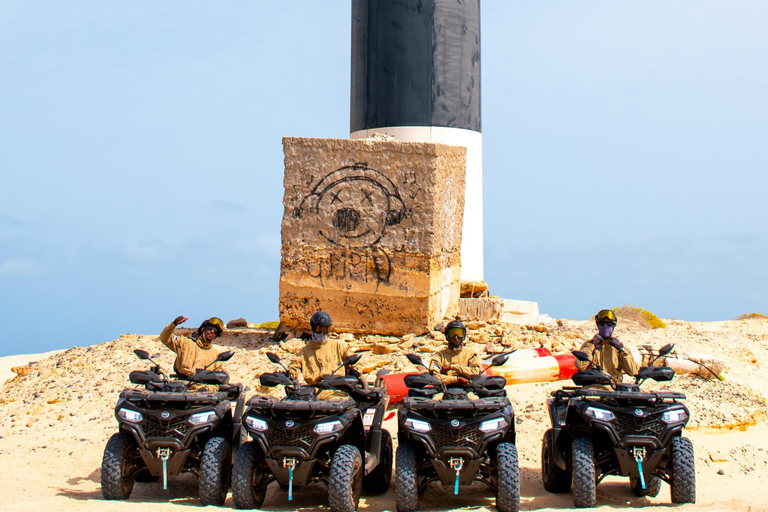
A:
605,331
319,337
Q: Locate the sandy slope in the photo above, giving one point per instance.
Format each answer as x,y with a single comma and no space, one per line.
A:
57,416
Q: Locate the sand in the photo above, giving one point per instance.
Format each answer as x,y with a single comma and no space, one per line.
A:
57,414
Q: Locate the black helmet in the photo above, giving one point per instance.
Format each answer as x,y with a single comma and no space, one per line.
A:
320,322
214,322
605,316
455,328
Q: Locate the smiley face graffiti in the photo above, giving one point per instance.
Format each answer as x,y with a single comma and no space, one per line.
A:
354,206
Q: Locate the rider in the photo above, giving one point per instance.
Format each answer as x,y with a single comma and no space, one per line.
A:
607,351
322,355
457,363
194,353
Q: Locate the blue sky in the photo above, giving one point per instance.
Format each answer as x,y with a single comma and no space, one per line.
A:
141,160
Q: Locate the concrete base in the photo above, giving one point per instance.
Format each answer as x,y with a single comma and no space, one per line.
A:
495,309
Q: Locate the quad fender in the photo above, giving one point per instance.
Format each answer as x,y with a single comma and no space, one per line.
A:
355,434
373,439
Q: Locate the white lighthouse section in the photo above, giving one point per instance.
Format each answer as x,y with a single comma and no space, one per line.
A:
472,230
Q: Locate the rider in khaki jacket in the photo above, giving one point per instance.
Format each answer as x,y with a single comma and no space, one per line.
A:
456,364
606,351
193,353
321,356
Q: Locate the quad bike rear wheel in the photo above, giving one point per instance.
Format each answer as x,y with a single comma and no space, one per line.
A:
554,478
584,488
652,486
379,480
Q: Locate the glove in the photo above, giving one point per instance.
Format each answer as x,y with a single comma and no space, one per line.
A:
615,343
462,381
445,368
180,319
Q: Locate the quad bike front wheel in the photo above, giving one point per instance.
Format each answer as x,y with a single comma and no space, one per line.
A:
508,490
346,479
248,489
584,488
215,471
683,484
406,479
554,478
379,480
119,466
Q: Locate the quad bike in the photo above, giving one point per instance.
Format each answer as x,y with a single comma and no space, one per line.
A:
167,428
302,439
456,439
618,431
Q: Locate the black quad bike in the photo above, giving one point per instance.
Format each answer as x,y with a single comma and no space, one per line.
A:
166,429
456,440
618,431
302,439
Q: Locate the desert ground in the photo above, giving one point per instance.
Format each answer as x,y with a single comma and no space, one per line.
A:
56,414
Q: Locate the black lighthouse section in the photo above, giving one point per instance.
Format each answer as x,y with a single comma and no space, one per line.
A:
415,63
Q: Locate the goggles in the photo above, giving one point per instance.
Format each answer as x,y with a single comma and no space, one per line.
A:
454,332
606,315
322,329
606,323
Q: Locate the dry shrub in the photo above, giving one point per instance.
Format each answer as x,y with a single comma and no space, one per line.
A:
269,325
643,317
752,316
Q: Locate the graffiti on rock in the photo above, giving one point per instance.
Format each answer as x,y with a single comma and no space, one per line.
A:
352,207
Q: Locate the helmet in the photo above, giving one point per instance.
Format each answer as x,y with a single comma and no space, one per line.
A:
605,316
214,322
455,328
321,322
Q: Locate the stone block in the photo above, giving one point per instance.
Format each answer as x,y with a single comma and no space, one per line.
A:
371,233
489,309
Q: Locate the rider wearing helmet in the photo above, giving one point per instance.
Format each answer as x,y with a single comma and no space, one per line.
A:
321,355
607,351
194,353
457,363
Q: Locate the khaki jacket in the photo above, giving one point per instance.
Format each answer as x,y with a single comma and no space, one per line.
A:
317,360
464,363
189,355
613,361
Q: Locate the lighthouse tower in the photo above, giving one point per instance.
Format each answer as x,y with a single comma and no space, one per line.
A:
416,77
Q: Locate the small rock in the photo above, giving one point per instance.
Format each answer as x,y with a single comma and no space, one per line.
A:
720,472
346,336
437,336
293,345
237,322
408,337
380,348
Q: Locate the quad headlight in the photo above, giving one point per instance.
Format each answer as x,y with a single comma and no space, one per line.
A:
202,417
674,415
328,427
494,424
129,415
417,425
256,424
599,414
